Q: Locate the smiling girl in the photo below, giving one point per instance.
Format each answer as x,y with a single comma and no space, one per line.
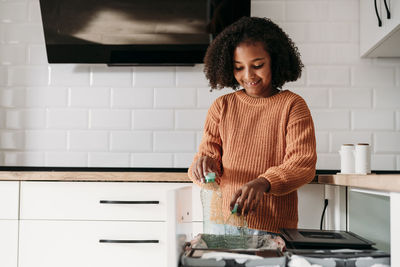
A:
260,139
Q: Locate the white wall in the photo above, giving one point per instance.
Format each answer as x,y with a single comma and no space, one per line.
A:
92,115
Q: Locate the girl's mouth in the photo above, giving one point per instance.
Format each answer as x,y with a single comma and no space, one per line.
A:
253,83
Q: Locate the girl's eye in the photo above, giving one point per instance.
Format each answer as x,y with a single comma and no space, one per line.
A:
258,66
238,68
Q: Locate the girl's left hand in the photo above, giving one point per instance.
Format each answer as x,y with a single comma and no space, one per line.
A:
250,195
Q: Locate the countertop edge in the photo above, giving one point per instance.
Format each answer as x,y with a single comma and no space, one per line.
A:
379,182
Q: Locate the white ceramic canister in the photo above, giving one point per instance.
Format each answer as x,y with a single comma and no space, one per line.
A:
347,158
362,158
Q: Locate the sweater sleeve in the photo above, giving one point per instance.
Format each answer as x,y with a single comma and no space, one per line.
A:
211,144
298,166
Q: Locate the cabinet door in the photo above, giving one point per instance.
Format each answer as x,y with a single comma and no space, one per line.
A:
77,243
8,243
9,194
95,201
378,41
369,216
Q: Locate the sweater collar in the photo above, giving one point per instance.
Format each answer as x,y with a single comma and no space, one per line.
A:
257,100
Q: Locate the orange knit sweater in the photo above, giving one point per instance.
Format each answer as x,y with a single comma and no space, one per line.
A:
269,137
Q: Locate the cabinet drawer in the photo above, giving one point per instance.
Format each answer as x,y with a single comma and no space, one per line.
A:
9,199
76,243
95,200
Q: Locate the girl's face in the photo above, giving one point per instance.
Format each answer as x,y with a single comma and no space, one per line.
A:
252,69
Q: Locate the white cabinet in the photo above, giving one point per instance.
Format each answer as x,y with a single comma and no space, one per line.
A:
9,194
98,224
375,40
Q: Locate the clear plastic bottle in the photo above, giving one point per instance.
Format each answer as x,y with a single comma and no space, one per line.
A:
211,199
236,223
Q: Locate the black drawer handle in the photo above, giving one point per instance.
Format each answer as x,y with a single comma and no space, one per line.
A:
128,241
128,202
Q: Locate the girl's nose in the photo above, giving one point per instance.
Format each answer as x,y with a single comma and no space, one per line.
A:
249,74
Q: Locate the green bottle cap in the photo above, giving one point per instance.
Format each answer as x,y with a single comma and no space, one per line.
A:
235,208
210,177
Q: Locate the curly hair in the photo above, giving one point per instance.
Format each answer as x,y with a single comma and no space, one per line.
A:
286,64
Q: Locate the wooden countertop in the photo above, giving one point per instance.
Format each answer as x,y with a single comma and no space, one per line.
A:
95,176
380,182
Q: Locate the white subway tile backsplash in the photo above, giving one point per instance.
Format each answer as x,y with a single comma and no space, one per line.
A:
274,10
183,160
175,97
174,141
26,119
2,117
11,11
398,163
66,159
67,118
344,10
6,98
328,161
69,75
205,98
314,97
191,76
307,11
23,33
328,32
387,142
42,97
387,98
3,75
322,139
153,119
110,119
34,12
344,54
43,140
11,140
398,120
383,162
154,77
351,98
190,119
372,76
86,97
332,75
372,120
297,31
37,55
101,159
339,138
13,54
331,119
28,76
152,160
132,97
88,141
33,159
132,141
314,53
112,76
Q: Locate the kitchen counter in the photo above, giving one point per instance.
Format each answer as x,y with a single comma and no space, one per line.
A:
94,176
380,182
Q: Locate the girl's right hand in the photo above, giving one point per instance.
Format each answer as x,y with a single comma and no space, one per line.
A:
203,166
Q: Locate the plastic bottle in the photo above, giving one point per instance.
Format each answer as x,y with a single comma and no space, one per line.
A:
236,223
211,199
